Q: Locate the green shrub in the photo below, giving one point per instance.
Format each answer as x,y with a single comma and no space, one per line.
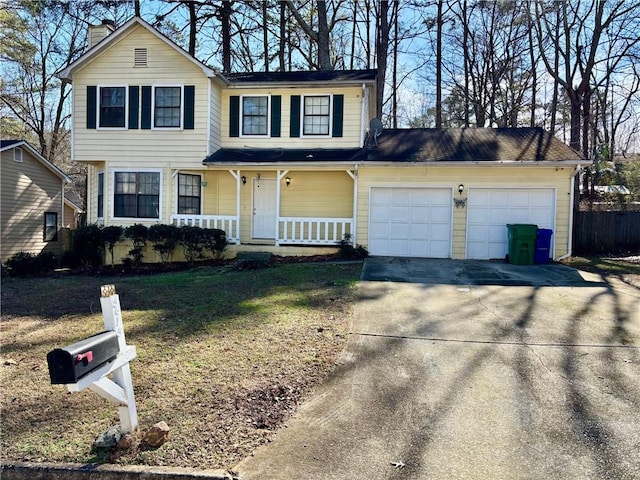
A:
137,233
215,241
88,245
110,236
193,240
24,263
349,252
164,239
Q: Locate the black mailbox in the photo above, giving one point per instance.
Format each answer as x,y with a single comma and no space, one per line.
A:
68,364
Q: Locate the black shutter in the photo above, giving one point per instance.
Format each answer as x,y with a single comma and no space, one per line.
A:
91,106
145,122
276,114
189,106
338,114
234,116
294,126
134,104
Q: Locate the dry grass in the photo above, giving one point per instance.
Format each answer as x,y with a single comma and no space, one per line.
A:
224,357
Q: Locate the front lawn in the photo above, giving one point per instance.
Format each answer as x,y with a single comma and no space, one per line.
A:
224,357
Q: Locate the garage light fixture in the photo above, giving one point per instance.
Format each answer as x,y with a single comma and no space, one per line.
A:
460,202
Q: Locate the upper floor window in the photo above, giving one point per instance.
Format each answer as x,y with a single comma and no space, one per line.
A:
189,194
167,107
255,115
136,195
50,233
316,115
17,154
112,108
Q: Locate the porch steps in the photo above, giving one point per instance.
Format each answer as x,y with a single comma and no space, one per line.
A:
252,259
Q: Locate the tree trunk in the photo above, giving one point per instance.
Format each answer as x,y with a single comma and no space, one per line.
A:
439,66
192,28
225,22
283,35
324,50
265,36
382,49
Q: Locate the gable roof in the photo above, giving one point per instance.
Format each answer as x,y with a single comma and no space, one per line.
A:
413,145
357,77
504,145
109,40
9,144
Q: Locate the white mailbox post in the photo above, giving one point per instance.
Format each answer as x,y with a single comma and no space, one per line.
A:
120,389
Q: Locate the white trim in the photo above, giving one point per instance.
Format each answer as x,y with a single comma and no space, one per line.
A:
153,106
112,184
572,193
255,135
126,106
329,126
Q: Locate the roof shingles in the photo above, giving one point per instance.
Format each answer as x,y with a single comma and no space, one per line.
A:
423,145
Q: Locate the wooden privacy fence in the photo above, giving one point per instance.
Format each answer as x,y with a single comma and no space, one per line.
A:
601,232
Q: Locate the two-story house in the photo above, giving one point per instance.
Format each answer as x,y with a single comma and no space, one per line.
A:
292,162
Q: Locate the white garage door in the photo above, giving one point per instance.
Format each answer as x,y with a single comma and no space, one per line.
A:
489,210
410,222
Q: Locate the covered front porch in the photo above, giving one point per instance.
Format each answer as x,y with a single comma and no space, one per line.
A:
277,207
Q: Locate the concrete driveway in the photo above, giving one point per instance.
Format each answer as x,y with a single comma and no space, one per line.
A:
454,373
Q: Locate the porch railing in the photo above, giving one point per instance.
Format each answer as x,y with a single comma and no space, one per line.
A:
313,231
228,223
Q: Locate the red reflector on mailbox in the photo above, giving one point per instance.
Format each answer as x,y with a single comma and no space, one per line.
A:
69,364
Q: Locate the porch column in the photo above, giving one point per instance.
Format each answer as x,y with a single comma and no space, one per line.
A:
236,174
279,176
354,176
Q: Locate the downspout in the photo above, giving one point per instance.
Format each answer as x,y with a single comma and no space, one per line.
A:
363,115
572,185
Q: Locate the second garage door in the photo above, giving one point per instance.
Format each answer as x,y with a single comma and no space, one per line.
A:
489,210
410,222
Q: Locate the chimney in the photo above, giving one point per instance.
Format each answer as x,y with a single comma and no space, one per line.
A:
97,33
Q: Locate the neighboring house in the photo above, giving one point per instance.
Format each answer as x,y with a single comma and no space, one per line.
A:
32,201
72,213
287,162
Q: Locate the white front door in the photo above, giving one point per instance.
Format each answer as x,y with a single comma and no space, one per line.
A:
264,208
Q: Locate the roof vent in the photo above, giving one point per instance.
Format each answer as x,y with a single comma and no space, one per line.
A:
140,57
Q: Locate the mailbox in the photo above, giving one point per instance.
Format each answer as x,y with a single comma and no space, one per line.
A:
68,364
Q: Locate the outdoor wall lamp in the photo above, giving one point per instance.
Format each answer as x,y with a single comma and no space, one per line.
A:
287,180
460,202
244,180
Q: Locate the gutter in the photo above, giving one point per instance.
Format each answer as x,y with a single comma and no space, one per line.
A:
572,184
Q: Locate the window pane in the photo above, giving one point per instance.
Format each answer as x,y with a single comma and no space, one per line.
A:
255,112
100,195
112,106
189,194
137,194
167,107
316,115
50,226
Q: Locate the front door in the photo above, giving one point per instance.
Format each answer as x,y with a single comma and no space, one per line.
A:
264,208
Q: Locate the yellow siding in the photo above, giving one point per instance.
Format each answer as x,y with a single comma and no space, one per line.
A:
352,126
470,176
172,148
317,194
29,189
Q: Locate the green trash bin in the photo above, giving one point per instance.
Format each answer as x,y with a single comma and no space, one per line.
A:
522,243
